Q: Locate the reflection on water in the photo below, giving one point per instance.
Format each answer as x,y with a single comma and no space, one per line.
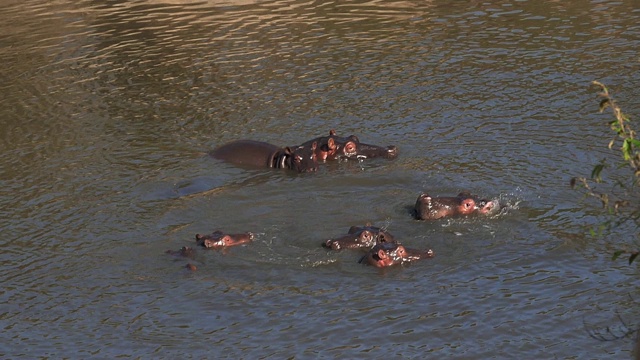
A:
109,109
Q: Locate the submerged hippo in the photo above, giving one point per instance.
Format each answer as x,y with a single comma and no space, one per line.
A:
261,154
389,254
334,147
432,208
359,237
219,239
185,251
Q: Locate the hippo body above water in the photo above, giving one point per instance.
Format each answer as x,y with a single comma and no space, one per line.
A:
464,204
219,239
359,237
389,254
262,154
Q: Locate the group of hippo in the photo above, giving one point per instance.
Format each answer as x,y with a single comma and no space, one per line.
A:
382,250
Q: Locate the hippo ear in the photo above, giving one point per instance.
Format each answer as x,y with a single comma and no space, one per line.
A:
332,132
331,144
288,151
198,236
382,255
315,145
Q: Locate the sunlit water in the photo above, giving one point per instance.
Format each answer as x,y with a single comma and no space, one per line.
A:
108,110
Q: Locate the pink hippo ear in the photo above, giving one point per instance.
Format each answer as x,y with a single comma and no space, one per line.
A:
331,144
382,255
314,146
332,132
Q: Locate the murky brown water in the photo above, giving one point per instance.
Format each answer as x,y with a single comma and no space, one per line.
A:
107,110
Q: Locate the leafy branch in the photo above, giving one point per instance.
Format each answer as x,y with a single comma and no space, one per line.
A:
629,147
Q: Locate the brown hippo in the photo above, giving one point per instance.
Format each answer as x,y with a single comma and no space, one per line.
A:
262,154
334,147
389,254
185,251
219,239
359,237
432,208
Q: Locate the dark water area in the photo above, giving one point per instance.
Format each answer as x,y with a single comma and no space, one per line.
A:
109,108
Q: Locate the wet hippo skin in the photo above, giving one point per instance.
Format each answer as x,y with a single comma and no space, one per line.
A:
389,254
433,208
262,154
334,147
359,237
219,239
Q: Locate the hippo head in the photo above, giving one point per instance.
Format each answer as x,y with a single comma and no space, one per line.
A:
482,206
300,158
364,238
354,149
218,239
360,237
334,147
464,204
185,251
384,255
432,208
389,254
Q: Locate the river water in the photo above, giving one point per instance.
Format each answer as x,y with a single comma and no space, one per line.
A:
108,110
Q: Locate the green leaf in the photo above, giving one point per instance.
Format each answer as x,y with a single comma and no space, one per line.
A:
626,149
616,254
595,174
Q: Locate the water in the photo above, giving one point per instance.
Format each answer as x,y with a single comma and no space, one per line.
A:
108,110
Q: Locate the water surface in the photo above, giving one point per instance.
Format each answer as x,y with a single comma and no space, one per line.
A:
108,111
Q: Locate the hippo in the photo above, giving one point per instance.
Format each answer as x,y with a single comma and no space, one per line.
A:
389,254
359,237
261,154
219,239
464,204
185,251
334,147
